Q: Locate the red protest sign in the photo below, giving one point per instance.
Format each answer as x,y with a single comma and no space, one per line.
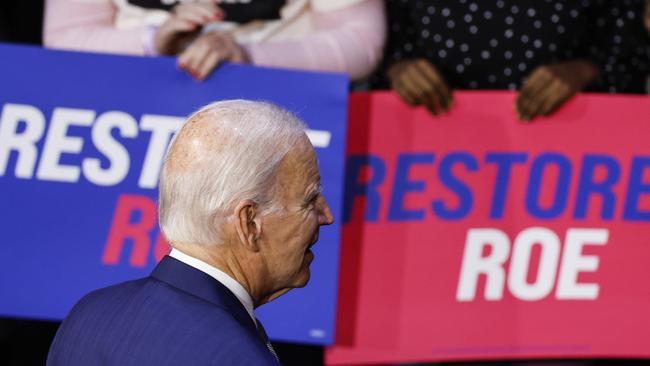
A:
474,236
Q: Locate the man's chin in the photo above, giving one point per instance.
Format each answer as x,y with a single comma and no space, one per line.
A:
301,278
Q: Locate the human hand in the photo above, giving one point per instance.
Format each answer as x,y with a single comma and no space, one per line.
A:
549,86
209,50
185,22
418,82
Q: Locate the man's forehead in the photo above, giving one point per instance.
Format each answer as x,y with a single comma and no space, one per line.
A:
299,169
302,152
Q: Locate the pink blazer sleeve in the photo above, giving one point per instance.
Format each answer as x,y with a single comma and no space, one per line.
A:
88,26
347,40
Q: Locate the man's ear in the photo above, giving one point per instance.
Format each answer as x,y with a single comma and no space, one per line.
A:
248,224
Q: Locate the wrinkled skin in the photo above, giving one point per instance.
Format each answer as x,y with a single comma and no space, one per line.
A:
290,233
268,253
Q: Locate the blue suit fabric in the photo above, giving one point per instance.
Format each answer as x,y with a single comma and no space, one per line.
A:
176,316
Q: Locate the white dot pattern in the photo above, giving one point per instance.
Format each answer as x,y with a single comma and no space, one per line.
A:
496,44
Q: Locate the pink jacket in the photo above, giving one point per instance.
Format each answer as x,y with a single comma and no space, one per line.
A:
347,39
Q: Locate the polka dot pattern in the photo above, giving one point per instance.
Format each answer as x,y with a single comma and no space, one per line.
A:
496,44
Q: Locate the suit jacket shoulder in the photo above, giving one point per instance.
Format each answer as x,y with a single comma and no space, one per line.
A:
177,316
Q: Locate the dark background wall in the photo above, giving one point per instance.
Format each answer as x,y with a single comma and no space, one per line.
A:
26,342
21,21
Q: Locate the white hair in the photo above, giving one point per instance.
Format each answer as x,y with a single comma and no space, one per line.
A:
240,163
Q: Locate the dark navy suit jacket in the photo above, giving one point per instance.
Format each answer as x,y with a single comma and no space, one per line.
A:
176,316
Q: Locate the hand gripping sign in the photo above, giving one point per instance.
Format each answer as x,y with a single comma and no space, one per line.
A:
473,236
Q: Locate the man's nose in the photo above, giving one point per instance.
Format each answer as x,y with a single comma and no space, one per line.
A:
325,216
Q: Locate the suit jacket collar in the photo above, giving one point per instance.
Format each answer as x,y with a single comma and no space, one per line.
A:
202,285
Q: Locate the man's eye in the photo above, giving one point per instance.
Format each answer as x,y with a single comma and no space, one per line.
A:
311,201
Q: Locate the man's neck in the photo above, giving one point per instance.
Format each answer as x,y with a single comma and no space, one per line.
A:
222,258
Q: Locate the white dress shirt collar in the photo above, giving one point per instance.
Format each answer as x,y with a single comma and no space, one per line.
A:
235,287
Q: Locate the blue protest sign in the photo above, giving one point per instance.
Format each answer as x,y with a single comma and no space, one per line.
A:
82,137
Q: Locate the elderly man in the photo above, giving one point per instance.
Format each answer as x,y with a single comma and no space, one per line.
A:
240,204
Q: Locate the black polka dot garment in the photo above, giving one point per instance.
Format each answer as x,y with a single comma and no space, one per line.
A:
496,44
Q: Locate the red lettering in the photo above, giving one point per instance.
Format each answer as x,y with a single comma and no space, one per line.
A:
138,232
